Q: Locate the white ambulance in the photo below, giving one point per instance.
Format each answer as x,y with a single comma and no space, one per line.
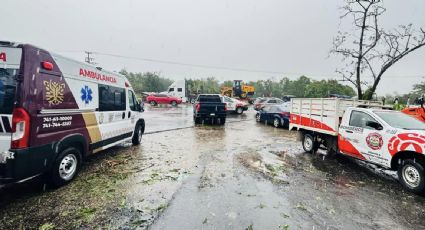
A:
55,111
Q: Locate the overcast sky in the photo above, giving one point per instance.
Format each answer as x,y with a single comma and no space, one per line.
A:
290,37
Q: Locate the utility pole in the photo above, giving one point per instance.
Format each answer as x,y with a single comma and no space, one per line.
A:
89,59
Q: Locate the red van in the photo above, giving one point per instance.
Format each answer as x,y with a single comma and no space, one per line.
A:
55,111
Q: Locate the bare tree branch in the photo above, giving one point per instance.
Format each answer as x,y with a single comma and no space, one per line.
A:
376,50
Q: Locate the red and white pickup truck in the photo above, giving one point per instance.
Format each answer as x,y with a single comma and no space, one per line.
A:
363,130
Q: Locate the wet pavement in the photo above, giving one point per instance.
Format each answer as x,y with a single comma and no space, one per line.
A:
243,175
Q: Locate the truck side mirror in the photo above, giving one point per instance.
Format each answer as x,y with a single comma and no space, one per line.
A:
374,125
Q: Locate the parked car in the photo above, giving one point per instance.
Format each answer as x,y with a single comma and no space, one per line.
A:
57,111
266,102
155,99
209,107
235,105
278,115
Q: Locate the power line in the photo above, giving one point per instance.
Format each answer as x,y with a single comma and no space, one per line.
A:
223,67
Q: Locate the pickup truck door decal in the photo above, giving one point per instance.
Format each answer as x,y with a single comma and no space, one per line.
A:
406,142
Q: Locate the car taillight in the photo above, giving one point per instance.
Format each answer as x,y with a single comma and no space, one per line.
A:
198,107
20,128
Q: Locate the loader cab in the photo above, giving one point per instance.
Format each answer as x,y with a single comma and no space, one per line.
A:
237,87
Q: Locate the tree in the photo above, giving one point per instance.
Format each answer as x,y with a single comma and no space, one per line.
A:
147,82
419,89
371,51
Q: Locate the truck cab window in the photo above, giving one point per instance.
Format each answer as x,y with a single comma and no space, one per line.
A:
171,90
359,119
179,90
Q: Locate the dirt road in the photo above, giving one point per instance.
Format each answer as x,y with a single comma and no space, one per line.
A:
243,175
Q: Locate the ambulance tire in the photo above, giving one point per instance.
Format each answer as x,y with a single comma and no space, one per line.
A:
174,103
66,167
309,144
411,174
137,136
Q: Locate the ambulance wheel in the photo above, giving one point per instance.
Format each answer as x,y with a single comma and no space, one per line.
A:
309,144
66,166
239,110
153,103
137,137
411,175
174,103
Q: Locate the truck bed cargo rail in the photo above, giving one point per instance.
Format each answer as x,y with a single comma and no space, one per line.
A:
323,114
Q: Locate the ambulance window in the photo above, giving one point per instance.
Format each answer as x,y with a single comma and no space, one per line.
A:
131,101
179,90
171,90
111,98
7,90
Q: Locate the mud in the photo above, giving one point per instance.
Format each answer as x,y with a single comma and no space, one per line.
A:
243,175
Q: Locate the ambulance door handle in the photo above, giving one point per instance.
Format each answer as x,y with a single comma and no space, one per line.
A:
348,131
129,114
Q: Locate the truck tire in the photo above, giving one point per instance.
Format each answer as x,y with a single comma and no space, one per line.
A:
276,122
309,144
137,136
411,175
66,167
239,110
197,120
258,117
222,121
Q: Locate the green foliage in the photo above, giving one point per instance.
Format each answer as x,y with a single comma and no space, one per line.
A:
203,85
301,87
147,82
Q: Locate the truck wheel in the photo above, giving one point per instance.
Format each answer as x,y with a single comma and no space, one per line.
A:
137,136
222,120
197,120
174,103
153,103
411,175
66,166
308,143
276,122
258,117
239,110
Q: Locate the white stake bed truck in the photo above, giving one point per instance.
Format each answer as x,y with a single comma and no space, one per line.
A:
363,130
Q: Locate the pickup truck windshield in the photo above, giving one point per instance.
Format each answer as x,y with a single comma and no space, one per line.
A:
7,90
401,120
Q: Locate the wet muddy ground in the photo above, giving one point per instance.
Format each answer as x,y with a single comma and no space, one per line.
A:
243,175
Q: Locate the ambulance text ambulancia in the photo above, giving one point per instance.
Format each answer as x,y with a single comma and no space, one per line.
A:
363,130
55,111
